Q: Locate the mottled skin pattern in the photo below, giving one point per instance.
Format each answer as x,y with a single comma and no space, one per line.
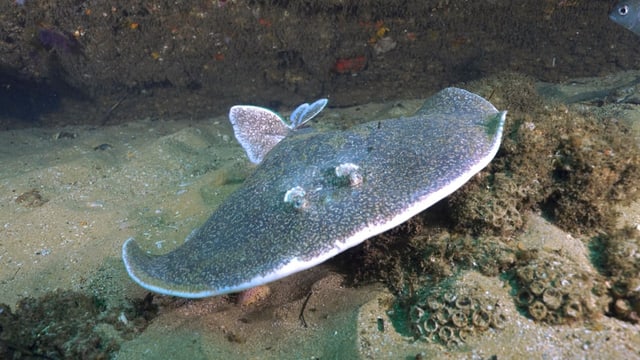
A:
407,164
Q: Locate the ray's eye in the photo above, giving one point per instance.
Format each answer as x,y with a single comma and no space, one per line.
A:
623,10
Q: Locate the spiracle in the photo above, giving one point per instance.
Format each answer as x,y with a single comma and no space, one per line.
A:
296,196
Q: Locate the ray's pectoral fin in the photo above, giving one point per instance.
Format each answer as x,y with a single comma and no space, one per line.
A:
135,260
258,129
162,273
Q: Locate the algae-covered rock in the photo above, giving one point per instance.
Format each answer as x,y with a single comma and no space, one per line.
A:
69,325
572,165
622,261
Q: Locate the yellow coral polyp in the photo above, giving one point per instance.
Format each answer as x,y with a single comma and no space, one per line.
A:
382,31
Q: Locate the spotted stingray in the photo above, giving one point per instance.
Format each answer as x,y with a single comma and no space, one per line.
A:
316,194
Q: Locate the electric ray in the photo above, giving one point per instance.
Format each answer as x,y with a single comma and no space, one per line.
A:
316,194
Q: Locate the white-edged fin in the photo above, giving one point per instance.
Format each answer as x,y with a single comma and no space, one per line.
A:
306,112
192,234
257,129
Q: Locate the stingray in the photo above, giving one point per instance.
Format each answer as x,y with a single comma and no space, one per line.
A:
316,194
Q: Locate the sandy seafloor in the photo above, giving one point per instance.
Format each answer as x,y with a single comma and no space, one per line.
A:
159,179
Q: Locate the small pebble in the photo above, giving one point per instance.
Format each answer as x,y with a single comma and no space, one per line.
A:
43,252
253,295
103,147
65,135
95,204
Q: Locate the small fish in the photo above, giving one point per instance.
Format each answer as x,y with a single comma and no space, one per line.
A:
62,42
626,13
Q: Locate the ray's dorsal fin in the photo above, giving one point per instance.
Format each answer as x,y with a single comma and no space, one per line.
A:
306,112
258,129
